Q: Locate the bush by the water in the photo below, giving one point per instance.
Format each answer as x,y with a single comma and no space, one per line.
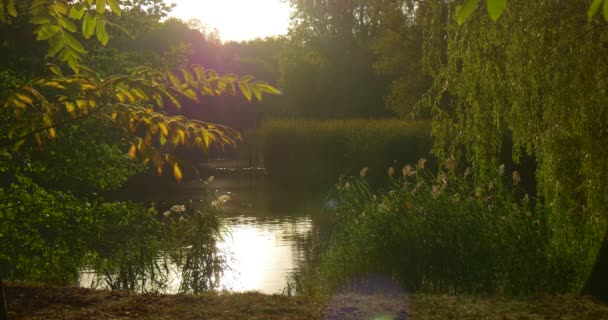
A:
307,153
446,233
51,236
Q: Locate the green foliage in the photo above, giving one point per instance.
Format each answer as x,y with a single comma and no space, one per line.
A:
134,103
327,66
302,154
398,52
140,250
51,236
537,75
86,158
44,233
125,251
496,8
196,252
446,233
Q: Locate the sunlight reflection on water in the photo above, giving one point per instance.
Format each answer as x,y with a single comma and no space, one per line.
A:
267,230
261,254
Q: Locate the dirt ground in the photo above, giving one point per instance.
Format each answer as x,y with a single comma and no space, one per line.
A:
33,302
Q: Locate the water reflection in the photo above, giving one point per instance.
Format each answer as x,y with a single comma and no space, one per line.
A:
262,253
268,230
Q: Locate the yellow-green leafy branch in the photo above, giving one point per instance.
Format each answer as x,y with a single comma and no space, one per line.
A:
132,102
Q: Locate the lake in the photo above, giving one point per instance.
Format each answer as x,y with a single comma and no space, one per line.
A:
269,231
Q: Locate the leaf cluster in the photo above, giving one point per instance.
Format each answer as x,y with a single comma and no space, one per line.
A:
137,103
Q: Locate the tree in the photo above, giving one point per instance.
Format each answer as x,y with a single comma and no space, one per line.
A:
398,54
536,74
143,104
327,68
132,102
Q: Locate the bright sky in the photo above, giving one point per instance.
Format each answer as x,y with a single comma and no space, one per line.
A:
237,19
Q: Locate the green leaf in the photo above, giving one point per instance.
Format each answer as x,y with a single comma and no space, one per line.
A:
56,43
73,43
74,64
100,5
47,31
593,9
60,7
605,10
77,11
55,69
67,54
88,25
67,24
115,7
495,8
102,32
12,10
40,20
465,10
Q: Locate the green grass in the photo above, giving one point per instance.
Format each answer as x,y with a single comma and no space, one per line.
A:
308,153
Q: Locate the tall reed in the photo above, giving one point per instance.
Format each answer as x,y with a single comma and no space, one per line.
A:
447,233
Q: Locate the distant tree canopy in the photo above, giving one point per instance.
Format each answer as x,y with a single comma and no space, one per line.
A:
326,70
349,59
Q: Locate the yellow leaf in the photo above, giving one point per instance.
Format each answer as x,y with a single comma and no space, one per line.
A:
163,128
38,139
132,151
53,84
52,133
174,80
244,86
139,94
191,94
81,104
177,172
187,75
25,98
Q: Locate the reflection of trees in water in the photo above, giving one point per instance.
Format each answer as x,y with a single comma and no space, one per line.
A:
203,262
183,248
306,247
188,259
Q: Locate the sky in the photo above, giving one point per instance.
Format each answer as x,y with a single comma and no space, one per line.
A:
237,20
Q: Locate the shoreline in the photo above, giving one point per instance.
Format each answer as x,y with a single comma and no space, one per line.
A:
26,301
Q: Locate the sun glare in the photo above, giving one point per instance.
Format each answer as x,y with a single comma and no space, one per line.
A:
237,20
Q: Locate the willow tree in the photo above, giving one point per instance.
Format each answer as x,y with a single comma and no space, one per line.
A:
539,75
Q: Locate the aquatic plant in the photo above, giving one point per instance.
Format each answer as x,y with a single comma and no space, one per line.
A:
445,232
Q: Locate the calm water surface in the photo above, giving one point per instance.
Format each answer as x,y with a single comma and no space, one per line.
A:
269,230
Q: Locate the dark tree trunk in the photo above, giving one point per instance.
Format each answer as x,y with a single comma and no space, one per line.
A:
597,284
3,308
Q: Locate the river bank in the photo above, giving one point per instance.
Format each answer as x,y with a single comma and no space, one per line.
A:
34,302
